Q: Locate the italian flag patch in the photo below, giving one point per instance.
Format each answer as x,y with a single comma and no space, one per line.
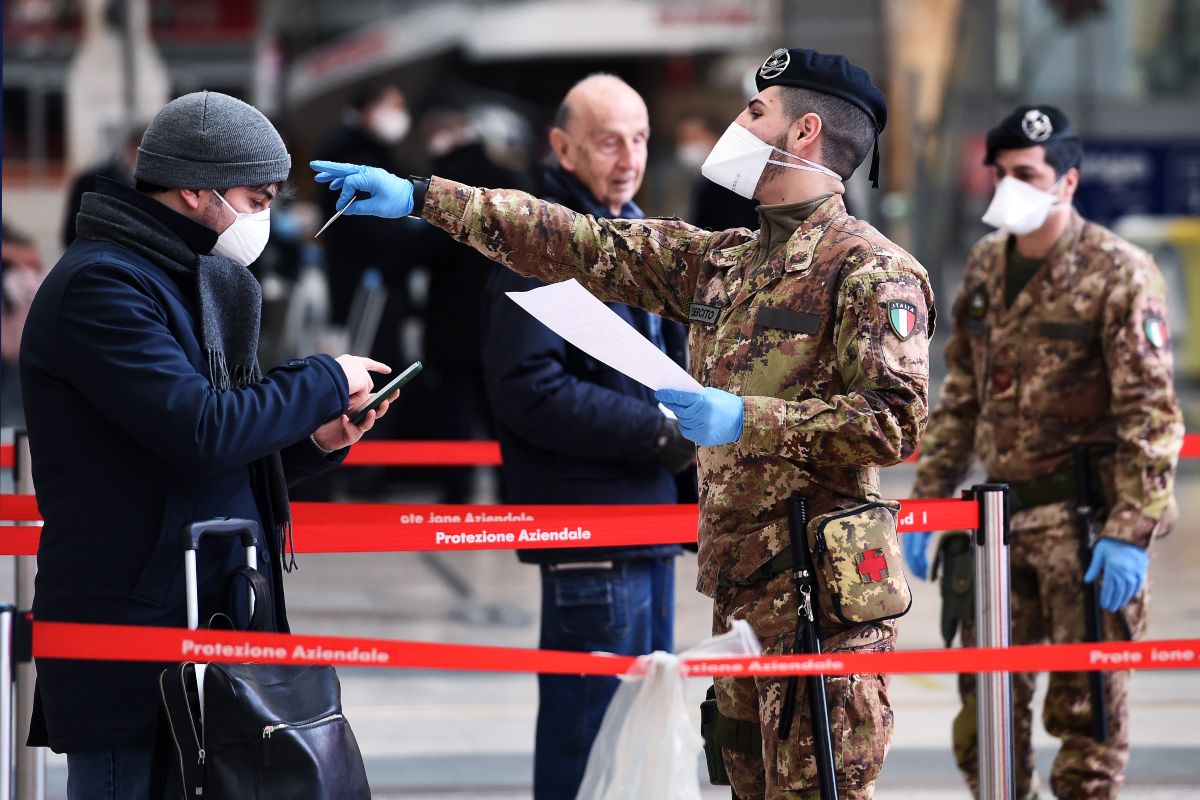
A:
1156,331
903,317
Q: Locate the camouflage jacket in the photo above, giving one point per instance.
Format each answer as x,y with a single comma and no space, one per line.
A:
826,342
1082,357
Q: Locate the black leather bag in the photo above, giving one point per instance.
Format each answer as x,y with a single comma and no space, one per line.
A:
257,730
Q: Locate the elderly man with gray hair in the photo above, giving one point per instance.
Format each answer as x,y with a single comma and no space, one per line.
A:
147,409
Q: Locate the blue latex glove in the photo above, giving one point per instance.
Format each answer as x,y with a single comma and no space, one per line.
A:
708,419
390,196
1124,566
916,552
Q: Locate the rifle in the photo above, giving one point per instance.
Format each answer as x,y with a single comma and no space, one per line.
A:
807,641
1087,509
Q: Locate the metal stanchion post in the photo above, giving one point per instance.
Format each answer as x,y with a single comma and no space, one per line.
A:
993,628
30,762
6,701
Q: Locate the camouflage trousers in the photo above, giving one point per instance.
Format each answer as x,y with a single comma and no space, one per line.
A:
1047,606
860,716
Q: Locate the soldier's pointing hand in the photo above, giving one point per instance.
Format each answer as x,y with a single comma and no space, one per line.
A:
389,196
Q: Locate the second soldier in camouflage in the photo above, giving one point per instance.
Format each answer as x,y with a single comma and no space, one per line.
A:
1058,342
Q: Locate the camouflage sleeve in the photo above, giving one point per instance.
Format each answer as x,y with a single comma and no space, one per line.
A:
949,444
651,264
882,341
1149,425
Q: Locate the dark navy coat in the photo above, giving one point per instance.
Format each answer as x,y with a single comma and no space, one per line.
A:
130,441
571,429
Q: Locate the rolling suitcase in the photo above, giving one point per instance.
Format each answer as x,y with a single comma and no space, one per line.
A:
263,731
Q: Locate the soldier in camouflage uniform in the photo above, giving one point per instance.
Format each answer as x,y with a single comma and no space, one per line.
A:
812,336
1059,339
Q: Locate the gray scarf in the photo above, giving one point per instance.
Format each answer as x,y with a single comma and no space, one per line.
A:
230,315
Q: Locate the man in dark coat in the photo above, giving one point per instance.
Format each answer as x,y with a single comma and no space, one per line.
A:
456,403
147,410
573,430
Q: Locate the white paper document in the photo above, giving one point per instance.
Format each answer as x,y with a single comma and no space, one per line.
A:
578,316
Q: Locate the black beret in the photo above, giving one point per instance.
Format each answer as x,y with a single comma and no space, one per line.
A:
830,74
1029,126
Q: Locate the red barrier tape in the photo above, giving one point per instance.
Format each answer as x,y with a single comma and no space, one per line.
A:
136,643
424,454
386,453
472,453
19,540
389,527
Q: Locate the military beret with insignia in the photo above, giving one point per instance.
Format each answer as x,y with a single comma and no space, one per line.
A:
829,74
1029,126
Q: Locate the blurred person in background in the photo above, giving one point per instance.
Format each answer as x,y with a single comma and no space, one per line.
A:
452,395
1059,350
811,336
712,206
22,274
148,410
118,168
376,120
362,259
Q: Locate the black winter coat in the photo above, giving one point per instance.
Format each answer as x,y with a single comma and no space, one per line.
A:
130,441
571,429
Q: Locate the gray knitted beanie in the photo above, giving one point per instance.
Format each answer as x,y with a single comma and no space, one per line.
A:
208,140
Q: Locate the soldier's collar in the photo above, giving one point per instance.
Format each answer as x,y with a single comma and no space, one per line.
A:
803,244
1060,261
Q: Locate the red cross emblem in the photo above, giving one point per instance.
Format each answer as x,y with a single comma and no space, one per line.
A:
872,565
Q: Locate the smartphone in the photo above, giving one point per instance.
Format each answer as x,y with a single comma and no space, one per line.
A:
356,416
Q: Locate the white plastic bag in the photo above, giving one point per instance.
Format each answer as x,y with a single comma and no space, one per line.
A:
646,748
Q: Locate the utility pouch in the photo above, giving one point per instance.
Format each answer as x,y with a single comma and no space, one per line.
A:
955,559
712,748
858,560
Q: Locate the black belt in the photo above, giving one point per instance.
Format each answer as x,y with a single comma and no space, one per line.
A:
780,562
1056,487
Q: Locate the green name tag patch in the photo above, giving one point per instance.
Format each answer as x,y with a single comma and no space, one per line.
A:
703,314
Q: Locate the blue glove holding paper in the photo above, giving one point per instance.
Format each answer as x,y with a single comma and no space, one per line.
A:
390,196
1124,567
710,418
916,552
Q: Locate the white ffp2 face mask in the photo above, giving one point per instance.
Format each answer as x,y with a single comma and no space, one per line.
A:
244,240
739,157
1020,208
390,125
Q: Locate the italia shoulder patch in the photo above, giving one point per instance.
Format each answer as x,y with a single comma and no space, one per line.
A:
1156,331
903,317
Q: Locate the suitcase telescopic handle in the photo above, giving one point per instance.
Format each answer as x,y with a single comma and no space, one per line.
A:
248,530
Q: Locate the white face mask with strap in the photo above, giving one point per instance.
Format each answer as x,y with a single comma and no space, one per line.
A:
739,157
1020,208
244,240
